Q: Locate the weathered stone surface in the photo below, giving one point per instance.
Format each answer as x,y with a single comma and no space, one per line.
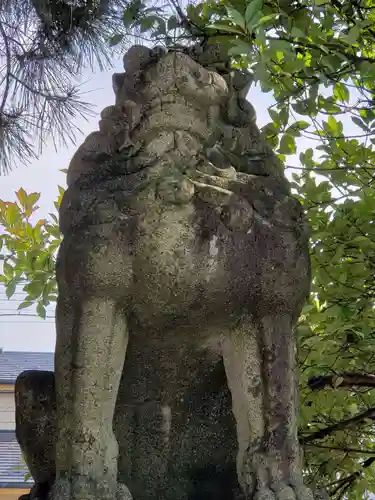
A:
183,269
35,422
202,445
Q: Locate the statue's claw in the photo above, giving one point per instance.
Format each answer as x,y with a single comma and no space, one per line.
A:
123,492
83,489
287,492
265,483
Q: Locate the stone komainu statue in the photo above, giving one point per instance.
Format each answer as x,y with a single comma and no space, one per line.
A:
183,269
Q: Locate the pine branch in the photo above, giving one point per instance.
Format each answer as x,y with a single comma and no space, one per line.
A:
46,44
8,69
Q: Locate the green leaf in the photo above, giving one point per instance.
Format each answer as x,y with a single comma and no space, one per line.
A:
287,145
8,270
221,26
33,198
302,125
41,310
10,288
275,116
12,214
22,197
341,92
25,305
297,33
253,11
147,23
360,123
35,288
284,115
240,47
116,39
333,125
173,23
270,17
132,12
352,37
236,17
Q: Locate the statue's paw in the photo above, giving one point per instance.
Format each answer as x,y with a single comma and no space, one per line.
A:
61,490
39,491
288,492
82,488
123,492
265,478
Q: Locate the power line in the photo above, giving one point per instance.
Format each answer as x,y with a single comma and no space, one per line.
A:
24,314
27,322
14,294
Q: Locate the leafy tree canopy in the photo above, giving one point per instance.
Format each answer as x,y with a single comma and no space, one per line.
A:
317,59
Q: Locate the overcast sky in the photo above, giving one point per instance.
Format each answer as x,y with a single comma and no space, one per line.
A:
29,333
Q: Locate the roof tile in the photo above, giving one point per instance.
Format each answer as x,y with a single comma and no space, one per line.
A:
13,469
13,363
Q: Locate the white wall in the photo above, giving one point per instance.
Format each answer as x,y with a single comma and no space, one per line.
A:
7,410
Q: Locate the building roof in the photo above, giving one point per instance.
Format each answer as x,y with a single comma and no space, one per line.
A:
13,363
13,469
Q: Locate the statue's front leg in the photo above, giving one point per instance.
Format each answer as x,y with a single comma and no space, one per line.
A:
91,344
244,375
282,457
261,370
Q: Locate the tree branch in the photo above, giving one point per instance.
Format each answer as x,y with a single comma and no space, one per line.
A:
351,57
340,380
8,66
339,426
344,449
345,483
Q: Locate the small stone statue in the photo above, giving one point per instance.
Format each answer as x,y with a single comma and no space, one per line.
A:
183,269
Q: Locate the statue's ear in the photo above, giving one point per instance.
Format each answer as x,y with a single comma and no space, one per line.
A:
137,58
117,82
